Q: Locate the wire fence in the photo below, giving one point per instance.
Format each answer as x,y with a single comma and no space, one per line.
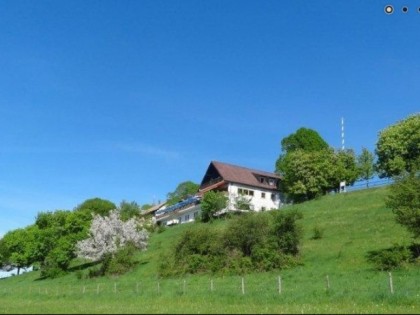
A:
233,286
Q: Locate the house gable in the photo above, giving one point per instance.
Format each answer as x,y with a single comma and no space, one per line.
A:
218,172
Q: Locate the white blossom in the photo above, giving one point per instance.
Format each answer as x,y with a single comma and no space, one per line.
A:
108,234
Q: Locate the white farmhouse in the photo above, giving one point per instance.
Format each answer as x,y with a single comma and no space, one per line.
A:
259,187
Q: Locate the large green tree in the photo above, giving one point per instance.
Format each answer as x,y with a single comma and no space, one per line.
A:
398,147
182,191
310,168
306,175
304,139
16,248
56,237
97,206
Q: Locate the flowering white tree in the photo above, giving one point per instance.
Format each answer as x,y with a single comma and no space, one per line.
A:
110,233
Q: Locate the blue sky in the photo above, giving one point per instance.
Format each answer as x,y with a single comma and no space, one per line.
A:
124,100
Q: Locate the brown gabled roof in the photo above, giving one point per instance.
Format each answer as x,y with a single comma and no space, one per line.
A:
243,175
154,208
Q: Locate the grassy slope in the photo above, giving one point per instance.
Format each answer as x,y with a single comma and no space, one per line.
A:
353,224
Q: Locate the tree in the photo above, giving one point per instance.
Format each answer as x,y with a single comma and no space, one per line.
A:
56,236
109,234
306,175
365,165
310,168
303,139
97,206
398,147
128,210
182,191
344,168
404,200
212,202
16,248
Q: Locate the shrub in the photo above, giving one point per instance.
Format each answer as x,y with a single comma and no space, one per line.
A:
390,258
318,233
288,233
122,261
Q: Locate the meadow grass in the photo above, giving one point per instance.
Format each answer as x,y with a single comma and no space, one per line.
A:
352,223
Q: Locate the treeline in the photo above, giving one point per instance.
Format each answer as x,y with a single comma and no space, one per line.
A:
50,243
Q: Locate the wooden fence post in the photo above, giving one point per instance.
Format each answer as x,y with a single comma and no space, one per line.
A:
391,286
243,286
279,284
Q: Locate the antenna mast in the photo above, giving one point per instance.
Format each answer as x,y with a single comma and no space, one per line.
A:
342,183
342,133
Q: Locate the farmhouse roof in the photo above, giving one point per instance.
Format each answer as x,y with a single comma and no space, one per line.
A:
240,175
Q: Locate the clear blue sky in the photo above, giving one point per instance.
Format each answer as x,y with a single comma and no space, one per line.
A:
124,100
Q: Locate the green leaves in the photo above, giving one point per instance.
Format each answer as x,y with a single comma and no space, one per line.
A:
183,190
398,147
212,202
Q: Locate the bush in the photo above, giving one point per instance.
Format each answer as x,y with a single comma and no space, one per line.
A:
287,231
122,261
390,258
249,242
318,233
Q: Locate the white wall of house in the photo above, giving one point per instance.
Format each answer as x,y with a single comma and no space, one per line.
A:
182,216
260,199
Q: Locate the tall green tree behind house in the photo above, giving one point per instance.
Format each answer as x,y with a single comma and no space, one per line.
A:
182,191
96,206
310,168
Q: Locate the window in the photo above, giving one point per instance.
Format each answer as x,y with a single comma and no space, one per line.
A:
179,220
263,195
187,217
245,192
195,214
262,180
271,182
263,208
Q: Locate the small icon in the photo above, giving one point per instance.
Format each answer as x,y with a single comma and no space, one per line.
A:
389,9
405,9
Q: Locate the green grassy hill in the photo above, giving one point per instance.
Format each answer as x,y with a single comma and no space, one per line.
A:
334,278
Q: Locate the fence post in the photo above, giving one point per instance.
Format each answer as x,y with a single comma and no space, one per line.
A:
183,287
279,284
243,286
327,282
391,286
211,285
